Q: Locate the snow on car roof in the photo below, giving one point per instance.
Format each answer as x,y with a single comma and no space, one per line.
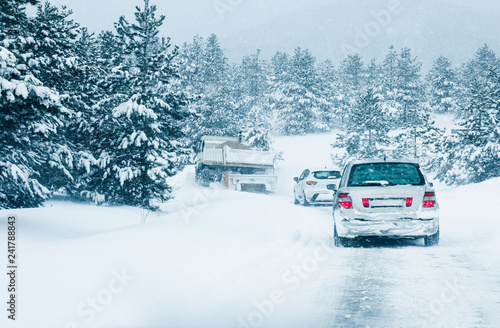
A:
382,160
316,169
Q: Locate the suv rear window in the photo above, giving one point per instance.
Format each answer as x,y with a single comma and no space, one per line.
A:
327,174
386,174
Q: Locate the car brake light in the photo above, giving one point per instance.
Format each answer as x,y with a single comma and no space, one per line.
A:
409,201
345,201
311,182
366,202
429,199
429,203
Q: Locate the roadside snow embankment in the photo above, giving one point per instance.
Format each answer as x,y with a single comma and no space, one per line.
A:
214,253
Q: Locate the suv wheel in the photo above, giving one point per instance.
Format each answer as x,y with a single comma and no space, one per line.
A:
432,240
338,241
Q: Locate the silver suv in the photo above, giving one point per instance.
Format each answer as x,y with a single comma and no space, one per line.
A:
386,198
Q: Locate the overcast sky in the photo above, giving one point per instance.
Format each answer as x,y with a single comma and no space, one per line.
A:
329,28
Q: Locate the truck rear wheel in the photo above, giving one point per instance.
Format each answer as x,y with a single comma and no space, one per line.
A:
204,176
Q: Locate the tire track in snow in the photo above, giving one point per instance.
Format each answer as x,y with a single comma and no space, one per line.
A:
361,301
404,287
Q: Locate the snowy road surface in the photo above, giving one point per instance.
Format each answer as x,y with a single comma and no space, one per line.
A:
217,258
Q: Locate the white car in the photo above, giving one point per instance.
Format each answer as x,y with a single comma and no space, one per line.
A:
316,186
385,198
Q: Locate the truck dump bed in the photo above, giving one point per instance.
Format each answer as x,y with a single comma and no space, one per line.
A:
237,157
221,151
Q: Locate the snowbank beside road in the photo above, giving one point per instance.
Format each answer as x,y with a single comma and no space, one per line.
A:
89,266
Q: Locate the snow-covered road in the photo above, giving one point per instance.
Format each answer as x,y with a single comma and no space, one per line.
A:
217,258
402,283
405,285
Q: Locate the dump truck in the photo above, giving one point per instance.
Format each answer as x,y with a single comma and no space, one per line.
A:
228,160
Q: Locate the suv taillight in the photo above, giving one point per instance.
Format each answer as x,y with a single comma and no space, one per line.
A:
345,201
429,199
311,182
409,201
366,202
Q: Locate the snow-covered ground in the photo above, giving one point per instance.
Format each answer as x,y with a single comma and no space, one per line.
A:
218,258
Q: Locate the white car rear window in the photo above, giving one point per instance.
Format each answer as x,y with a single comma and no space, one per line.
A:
386,174
327,174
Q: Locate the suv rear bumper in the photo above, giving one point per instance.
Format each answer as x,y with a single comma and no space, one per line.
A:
386,227
319,195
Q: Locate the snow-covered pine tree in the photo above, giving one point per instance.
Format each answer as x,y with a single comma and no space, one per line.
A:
374,75
418,137
14,23
191,64
410,111
279,75
465,156
352,81
374,81
257,135
59,62
252,90
443,85
389,85
479,68
475,73
209,76
142,120
251,81
219,115
329,87
298,102
30,113
409,88
215,63
257,129
473,154
96,58
389,72
280,64
54,38
352,73
366,131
